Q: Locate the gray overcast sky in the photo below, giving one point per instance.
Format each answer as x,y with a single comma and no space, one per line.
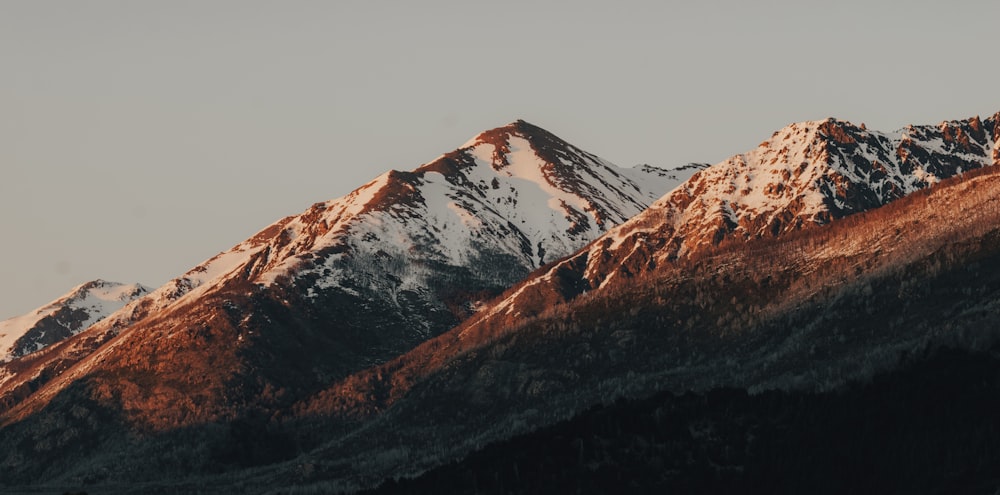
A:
139,138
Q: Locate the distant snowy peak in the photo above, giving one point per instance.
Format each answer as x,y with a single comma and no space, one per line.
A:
64,317
806,174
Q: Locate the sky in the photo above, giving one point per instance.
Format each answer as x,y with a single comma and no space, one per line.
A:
139,138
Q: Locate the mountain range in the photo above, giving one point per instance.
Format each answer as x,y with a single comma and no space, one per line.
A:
507,286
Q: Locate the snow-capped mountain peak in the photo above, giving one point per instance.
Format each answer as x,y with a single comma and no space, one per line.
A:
72,313
518,190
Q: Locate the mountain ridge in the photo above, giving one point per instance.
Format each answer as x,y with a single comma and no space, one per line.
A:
360,278
873,245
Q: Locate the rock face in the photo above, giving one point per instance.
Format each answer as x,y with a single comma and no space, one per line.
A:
64,317
350,282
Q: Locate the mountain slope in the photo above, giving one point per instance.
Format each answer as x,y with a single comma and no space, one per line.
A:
347,284
64,317
808,311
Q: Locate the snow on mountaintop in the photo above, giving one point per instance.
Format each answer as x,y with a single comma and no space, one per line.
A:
83,306
514,191
809,173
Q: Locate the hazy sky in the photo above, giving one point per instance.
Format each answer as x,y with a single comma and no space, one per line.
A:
139,138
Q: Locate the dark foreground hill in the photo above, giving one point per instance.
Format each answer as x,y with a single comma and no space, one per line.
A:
931,426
